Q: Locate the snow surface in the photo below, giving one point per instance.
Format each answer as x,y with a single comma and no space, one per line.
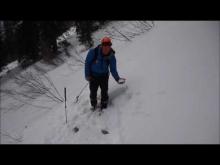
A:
171,95
9,67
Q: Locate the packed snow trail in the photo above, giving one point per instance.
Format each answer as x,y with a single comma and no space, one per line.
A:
171,93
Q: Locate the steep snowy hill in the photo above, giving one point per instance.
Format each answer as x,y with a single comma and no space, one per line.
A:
171,94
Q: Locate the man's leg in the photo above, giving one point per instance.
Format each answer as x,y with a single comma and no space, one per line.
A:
93,86
104,91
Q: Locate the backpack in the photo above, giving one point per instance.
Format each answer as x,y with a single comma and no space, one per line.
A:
96,54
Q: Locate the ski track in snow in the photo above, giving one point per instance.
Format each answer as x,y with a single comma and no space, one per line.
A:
90,125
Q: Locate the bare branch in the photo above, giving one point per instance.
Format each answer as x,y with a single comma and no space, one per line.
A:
37,85
12,95
11,137
52,84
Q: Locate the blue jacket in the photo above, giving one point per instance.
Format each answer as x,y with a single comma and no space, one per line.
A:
100,66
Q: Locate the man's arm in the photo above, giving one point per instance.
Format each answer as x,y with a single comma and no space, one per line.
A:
113,68
88,63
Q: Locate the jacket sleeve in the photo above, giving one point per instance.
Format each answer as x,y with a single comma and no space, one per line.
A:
88,63
113,68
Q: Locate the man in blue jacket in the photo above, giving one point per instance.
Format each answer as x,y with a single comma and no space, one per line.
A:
97,65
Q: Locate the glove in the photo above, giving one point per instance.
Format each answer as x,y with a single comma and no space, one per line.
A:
121,81
89,78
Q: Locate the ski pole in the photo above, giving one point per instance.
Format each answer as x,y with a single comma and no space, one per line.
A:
65,103
77,97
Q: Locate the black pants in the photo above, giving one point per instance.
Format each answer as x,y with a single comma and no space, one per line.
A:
94,84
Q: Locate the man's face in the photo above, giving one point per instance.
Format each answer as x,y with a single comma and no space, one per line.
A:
106,49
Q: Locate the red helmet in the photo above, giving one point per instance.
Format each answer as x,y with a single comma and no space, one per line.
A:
106,40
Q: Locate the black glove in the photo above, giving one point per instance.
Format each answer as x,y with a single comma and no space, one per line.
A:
89,78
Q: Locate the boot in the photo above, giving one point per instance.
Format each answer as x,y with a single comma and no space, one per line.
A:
103,106
93,108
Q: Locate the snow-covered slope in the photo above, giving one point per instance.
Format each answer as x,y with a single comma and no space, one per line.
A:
171,94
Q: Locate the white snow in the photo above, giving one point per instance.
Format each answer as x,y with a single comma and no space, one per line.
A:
171,95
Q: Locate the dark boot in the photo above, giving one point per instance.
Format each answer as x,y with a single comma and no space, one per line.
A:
104,105
93,108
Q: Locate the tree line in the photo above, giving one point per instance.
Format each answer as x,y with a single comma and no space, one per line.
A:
30,41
